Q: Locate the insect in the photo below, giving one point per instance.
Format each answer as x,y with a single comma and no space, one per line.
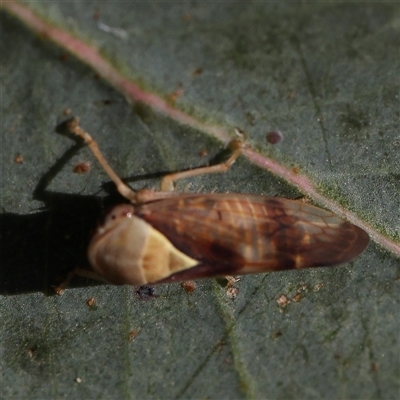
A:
164,236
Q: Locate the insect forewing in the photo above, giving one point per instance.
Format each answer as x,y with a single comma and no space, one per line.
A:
239,234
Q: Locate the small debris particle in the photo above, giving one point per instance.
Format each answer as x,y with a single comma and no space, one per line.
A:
18,159
145,292
31,351
232,292
91,302
189,286
374,367
172,97
78,380
276,335
296,170
317,287
81,168
296,298
274,137
67,112
118,32
203,152
303,287
197,71
133,334
283,301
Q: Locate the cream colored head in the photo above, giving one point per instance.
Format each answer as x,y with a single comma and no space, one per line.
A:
127,250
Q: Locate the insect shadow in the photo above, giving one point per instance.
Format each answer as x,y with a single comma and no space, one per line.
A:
38,250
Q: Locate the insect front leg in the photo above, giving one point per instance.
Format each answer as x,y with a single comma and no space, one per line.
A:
167,183
122,188
77,272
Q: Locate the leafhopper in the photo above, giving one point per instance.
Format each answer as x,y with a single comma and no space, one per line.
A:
164,236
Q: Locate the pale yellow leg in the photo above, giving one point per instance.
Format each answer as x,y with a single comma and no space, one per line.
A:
122,188
167,183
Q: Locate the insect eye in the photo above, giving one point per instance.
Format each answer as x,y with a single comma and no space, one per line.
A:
114,213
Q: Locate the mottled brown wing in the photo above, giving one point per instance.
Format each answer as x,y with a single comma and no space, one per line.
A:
239,234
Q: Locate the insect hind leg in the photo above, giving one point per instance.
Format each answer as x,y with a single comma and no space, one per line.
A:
167,183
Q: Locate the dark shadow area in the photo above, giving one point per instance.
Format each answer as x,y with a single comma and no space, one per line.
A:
39,249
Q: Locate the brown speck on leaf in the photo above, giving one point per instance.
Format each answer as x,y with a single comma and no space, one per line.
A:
64,57
172,97
296,298
31,351
283,301
91,302
274,137
203,152
81,167
276,335
133,334
187,17
18,159
189,286
318,286
197,71
67,111
374,367
292,94
296,170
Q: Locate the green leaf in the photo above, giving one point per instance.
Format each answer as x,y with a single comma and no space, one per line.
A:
325,75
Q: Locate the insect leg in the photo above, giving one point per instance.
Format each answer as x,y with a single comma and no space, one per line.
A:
168,180
77,272
122,188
